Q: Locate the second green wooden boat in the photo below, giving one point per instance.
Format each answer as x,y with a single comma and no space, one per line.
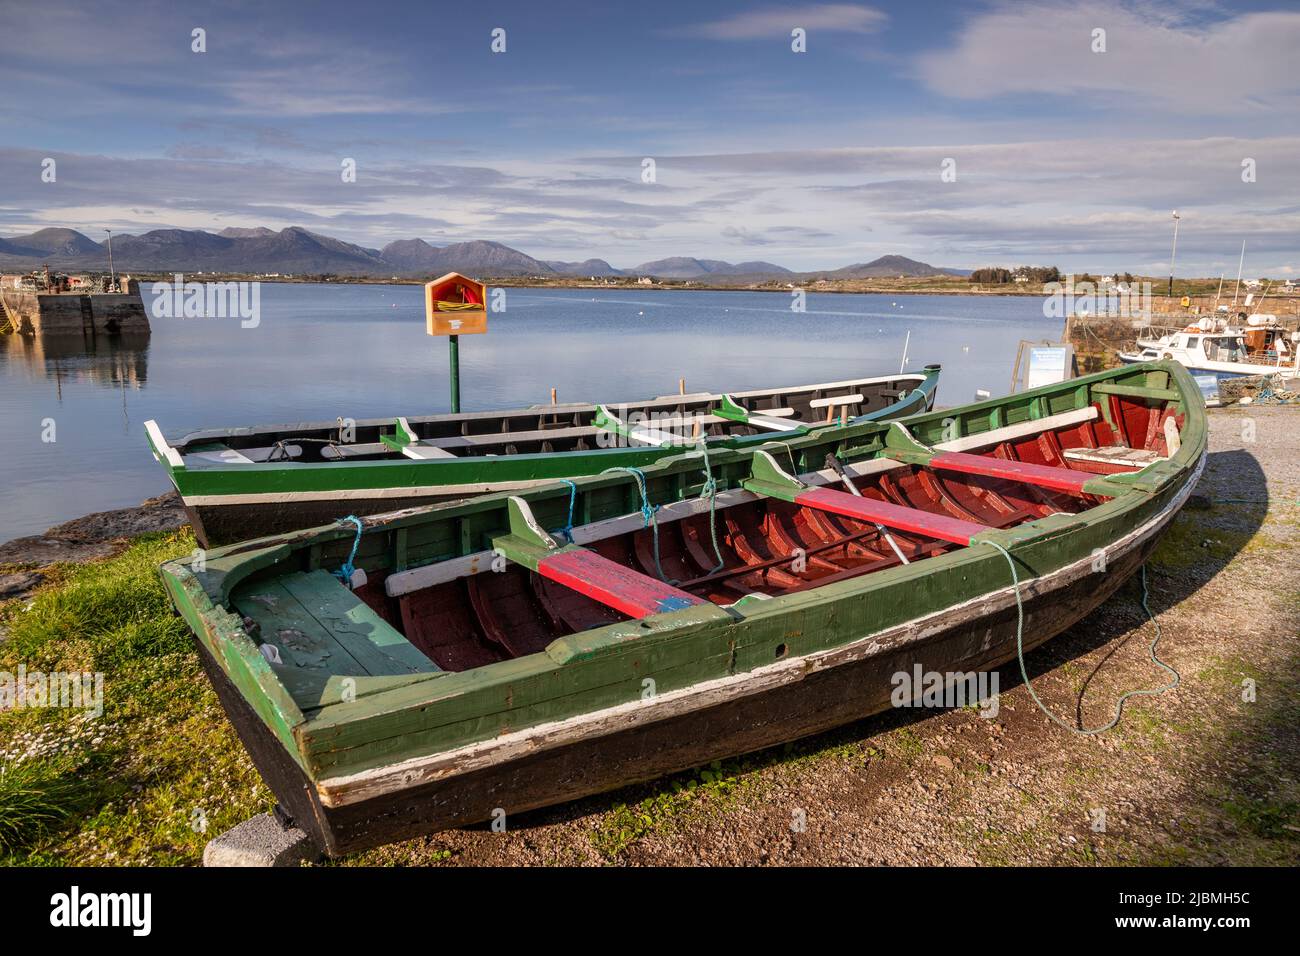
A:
445,665
239,483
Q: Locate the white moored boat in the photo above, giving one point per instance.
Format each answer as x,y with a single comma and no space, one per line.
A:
1212,347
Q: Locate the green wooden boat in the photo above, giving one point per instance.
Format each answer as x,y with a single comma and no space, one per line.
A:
512,651
240,483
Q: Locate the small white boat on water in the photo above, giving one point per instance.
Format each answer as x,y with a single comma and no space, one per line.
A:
1212,347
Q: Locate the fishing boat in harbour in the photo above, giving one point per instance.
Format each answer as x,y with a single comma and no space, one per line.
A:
434,667
239,483
1213,347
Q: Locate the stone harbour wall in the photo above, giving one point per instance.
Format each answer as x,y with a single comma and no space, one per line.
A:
39,313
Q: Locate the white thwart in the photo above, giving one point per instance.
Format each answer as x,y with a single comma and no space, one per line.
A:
1114,455
836,400
1020,430
422,452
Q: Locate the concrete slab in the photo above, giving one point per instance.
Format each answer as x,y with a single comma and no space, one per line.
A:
261,841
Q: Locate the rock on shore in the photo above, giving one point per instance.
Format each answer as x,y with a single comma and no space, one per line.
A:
98,535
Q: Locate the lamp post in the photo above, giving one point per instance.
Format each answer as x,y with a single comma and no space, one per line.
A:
1173,255
111,272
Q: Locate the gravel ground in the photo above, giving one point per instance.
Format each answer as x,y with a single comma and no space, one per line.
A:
1196,775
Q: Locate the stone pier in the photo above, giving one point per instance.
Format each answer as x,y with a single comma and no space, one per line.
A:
40,313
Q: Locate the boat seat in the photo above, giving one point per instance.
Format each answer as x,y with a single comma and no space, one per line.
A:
653,433
899,517
1034,426
505,438
422,452
774,424
767,418
833,402
219,454
613,584
336,452
1118,455
774,420
1045,476
317,624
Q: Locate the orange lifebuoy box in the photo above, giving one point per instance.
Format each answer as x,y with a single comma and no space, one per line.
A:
455,305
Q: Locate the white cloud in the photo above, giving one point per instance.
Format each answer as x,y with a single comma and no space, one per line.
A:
1243,63
1088,203
779,21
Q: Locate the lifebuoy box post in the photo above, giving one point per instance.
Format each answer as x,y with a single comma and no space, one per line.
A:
455,305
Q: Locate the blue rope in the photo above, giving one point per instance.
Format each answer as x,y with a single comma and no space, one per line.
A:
648,510
1119,704
567,530
711,490
344,573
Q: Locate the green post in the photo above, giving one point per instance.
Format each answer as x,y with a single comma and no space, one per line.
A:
453,350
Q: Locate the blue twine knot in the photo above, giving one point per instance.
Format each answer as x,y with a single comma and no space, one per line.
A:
567,530
344,573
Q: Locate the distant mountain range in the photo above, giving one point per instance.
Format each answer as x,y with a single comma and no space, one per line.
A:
296,251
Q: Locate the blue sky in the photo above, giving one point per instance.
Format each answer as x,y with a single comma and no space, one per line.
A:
1063,155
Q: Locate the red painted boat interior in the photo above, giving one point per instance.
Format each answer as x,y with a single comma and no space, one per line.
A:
768,546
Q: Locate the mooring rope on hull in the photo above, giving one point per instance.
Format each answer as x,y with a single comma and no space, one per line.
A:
1119,704
346,573
648,511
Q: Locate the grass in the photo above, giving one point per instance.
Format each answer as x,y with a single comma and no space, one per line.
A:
34,798
160,771
626,824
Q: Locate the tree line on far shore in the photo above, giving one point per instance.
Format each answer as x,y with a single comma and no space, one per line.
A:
998,275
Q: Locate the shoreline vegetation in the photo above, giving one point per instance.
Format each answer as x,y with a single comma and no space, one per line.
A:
902,285
161,771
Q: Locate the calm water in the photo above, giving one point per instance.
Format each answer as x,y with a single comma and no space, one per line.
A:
361,351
